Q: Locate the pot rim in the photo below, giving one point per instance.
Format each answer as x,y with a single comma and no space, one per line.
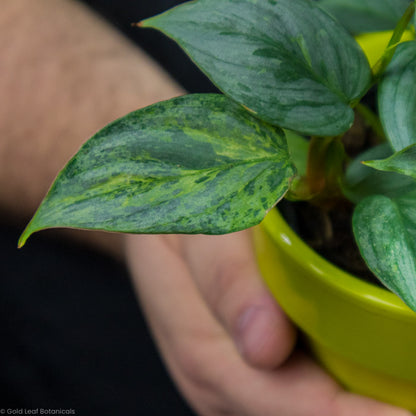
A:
368,295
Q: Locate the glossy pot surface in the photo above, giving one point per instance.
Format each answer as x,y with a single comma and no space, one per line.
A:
363,335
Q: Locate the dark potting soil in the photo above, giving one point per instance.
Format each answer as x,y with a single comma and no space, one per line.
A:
329,234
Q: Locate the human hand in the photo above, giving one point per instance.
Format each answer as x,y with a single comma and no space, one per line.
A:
227,344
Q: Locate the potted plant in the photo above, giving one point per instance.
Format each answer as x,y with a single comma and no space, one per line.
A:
293,81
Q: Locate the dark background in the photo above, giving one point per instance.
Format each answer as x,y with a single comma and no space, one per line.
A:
71,333
122,13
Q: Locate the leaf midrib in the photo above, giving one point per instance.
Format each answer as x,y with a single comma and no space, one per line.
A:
272,43
186,173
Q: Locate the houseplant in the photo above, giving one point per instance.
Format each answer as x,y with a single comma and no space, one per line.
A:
218,163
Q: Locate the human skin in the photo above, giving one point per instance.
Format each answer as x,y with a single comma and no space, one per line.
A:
64,74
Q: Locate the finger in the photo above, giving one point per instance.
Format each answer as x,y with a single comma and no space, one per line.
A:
302,389
206,365
350,404
190,339
226,273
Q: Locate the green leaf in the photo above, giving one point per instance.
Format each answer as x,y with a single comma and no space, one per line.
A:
298,150
403,162
288,61
397,97
398,34
385,231
194,164
361,16
362,181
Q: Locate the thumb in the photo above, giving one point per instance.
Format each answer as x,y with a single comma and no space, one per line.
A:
225,271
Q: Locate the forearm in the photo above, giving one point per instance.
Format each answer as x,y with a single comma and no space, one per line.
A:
64,73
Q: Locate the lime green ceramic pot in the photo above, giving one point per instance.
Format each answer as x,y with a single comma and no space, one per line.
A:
363,335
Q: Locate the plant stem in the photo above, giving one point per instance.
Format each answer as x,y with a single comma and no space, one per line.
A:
413,26
325,168
371,119
382,63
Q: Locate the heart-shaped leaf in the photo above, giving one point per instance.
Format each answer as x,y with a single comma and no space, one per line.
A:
385,231
361,16
288,61
194,164
397,97
403,162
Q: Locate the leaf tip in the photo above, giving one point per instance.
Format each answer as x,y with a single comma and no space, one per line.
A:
27,232
145,22
22,240
369,163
